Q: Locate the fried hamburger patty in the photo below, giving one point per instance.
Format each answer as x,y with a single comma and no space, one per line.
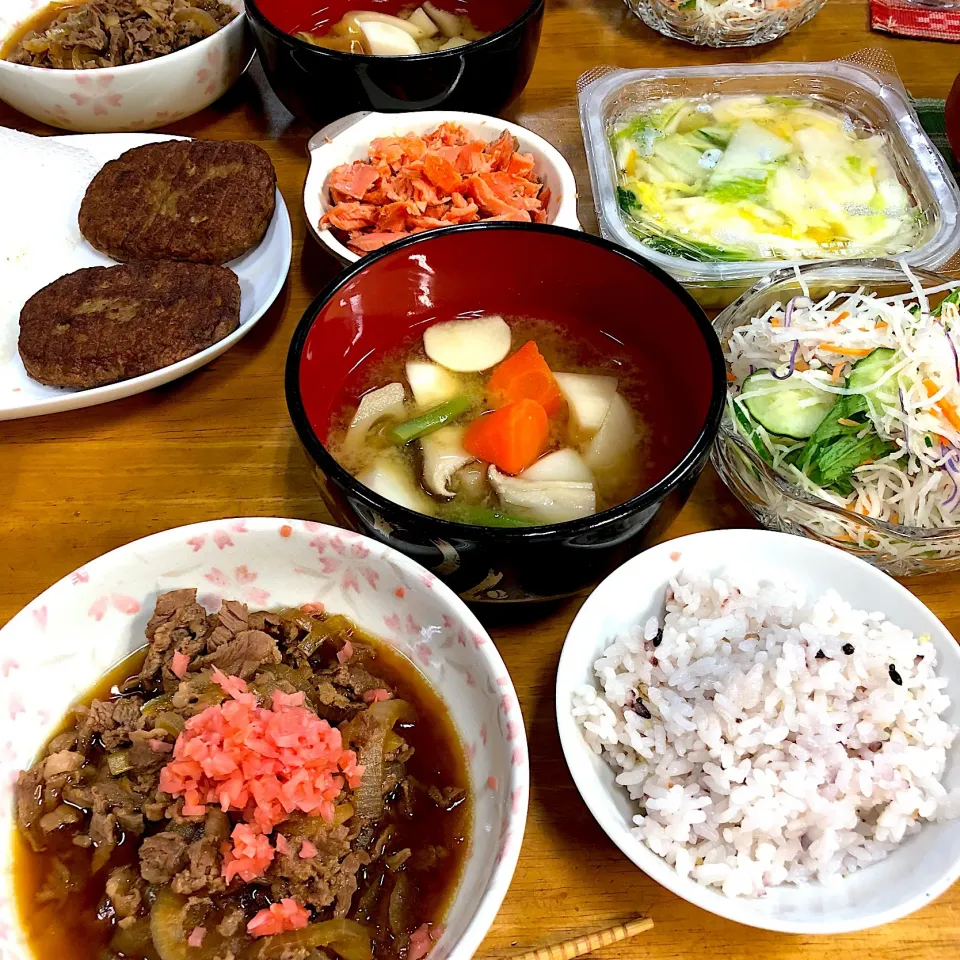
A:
206,201
103,324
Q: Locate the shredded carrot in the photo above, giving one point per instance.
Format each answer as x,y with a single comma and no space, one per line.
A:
801,365
525,376
774,321
835,376
894,517
511,437
839,318
730,377
945,406
881,324
845,351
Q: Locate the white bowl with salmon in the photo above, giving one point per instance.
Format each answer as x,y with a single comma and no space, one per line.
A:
269,737
488,169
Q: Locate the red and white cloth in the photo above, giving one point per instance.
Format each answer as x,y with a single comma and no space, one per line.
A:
915,20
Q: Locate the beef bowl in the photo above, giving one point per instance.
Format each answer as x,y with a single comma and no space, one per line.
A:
517,407
60,65
142,696
320,83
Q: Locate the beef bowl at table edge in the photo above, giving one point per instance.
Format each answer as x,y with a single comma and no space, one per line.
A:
336,654
599,317
319,84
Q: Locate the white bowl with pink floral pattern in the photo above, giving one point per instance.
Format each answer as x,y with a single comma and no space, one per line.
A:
132,97
60,644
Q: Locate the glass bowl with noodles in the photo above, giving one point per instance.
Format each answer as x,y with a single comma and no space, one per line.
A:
843,410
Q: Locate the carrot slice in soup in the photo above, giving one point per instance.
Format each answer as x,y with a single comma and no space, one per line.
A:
511,437
525,376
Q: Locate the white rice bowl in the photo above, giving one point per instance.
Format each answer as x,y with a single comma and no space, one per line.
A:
743,771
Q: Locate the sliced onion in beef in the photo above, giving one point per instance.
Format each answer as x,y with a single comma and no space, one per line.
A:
347,938
151,13
134,941
118,762
201,18
157,705
166,926
398,910
170,722
35,44
390,712
102,855
369,795
81,54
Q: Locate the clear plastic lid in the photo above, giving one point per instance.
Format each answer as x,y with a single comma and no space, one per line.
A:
872,99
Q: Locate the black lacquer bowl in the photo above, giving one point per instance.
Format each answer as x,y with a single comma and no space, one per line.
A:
512,269
320,85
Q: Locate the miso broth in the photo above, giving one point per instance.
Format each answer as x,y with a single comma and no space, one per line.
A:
653,435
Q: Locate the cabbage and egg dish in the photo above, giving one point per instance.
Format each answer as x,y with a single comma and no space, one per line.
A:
759,177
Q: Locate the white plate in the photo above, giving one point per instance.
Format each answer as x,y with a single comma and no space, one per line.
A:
262,273
58,646
348,139
921,868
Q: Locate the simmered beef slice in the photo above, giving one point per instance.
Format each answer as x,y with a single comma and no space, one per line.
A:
230,620
351,680
332,705
162,856
113,721
178,623
29,794
328,878
202,873
244,654
223,640
125,891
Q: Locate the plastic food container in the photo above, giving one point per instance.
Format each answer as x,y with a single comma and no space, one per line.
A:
870,98
725,23
895,548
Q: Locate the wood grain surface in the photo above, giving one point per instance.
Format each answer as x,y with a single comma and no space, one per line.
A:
218,443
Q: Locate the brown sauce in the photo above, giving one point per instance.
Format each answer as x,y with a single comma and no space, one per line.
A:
37,22
78,927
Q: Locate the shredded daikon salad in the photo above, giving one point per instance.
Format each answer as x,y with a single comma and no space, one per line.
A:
734,12
855,398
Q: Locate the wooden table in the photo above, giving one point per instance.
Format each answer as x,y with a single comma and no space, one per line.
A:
219,444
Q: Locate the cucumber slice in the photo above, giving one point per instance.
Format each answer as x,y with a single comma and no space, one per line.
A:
953,297
866,372
789,408
748,427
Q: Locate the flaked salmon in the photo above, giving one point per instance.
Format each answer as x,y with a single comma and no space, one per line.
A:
411,183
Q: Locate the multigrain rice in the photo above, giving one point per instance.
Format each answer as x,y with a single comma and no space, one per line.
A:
764,736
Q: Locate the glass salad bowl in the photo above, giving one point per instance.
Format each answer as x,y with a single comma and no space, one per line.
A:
777,503
725,23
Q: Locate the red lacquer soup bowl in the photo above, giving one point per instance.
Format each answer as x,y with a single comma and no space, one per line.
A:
320,85
589,289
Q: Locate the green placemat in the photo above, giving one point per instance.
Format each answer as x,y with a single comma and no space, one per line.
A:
932,120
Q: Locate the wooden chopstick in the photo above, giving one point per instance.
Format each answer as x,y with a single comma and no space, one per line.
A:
580,946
